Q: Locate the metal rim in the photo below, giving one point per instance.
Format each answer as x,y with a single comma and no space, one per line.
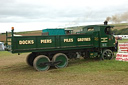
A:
107,54
60,57
39,60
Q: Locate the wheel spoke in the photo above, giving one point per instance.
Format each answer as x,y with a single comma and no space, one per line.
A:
107,54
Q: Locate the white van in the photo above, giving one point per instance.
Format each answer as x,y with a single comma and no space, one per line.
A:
1,46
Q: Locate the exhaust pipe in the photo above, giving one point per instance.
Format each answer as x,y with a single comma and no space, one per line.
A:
105,22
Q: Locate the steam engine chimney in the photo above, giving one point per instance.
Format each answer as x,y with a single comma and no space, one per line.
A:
105,22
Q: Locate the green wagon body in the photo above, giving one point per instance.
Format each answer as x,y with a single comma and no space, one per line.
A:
90,42
51,43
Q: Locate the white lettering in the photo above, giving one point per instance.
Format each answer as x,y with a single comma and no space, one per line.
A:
46,41
83,39
25,42
68,40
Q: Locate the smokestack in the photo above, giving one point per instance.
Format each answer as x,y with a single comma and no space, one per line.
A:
105,22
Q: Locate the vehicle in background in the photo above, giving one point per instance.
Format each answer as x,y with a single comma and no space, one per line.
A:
53,31
2,47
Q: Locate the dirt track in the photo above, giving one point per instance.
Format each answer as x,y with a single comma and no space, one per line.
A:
15,71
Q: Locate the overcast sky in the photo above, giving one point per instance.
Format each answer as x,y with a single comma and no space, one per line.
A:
26,15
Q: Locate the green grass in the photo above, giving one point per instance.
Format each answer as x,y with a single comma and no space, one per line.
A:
3,54
120,24
29,32
123,41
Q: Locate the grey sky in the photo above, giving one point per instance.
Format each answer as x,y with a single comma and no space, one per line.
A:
39,14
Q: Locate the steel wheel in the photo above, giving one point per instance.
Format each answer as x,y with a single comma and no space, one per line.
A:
40,63
62,58
107,54
30,58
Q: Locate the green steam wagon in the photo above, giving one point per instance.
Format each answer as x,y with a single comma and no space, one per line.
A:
55,50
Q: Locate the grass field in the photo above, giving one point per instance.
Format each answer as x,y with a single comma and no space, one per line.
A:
123,41
15,71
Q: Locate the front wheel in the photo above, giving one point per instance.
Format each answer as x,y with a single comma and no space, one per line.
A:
107,54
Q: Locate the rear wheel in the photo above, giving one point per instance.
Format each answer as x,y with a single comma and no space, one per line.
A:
62,58
40,63
107,54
